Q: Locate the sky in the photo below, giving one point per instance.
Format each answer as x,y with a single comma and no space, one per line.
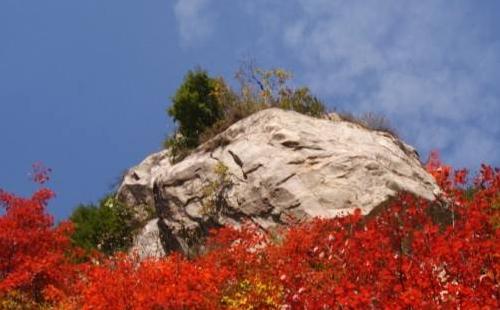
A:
84,84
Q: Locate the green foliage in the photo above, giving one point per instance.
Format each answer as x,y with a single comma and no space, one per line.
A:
195,106
233,113
205,106
301,100
108,227
178,147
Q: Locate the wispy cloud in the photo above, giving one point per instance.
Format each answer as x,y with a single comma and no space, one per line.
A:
431,66
195,21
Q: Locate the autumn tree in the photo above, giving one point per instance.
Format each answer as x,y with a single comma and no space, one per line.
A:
403,257
34,260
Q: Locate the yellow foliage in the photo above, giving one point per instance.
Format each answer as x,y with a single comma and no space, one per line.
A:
215,191
253,294
17,300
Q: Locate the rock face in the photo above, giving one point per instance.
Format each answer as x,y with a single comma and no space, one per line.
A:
273,168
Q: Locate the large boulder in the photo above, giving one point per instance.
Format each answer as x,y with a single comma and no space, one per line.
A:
273,168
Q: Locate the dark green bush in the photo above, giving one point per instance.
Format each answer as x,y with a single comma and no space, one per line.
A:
108,227
195,106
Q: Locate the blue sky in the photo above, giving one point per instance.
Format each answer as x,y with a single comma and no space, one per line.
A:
84,84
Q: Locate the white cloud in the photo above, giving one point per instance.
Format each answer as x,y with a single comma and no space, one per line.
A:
429,65
195,21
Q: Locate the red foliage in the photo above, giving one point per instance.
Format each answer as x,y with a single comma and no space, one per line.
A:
414,254
171,283
33,258
41,174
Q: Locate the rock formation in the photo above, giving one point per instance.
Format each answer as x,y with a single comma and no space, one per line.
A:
273,168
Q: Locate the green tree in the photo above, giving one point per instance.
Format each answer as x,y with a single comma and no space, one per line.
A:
108,227
195,106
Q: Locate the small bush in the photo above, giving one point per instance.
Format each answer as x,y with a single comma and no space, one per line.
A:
377,122
301,100
371,121
195,106
107,227
215,192
233,114
235,107
178,147
271,88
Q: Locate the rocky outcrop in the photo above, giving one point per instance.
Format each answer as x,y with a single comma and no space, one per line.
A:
148,243
273,168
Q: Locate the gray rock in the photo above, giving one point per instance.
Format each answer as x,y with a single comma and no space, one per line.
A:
273,168
147,244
